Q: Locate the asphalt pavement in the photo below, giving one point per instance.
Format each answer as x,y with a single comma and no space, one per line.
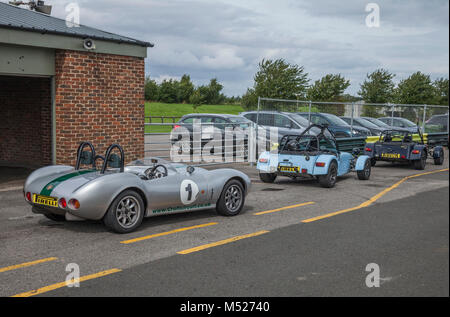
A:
407,238
35,252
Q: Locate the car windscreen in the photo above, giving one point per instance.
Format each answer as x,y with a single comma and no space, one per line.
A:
244,123
153,161
407,123
366,123
335,120
300,120
378,123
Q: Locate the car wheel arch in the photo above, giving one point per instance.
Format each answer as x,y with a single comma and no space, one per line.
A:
139,191
244,185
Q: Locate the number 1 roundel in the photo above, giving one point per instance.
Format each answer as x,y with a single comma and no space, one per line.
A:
188,191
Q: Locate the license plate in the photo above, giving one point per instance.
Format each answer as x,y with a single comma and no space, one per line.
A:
290,169
390,155
45,200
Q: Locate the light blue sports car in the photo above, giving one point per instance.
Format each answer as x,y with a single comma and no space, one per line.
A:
312,155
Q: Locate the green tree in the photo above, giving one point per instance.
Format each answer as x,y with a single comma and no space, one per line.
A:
185,89
199,97
441,91
277,79
416,89
168,91
378,87
151,90
249,100
329,88
214,95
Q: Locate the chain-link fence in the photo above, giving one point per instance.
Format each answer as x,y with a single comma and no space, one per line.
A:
202,141
219,142
356,119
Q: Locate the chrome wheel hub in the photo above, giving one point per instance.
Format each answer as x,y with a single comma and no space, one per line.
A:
128,211
233,198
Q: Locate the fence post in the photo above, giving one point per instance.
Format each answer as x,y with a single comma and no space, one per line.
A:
351,120
309,112
424,117
256,134
392,114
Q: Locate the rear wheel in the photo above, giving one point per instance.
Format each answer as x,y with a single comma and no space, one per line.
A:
365,173
420,164
125,213
439,160
267,177
232,199
329,180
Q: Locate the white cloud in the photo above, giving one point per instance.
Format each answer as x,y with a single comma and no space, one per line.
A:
227,38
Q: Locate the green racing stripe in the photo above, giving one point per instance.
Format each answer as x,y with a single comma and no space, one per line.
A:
47,190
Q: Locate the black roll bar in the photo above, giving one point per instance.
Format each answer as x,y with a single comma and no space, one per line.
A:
108,153
80,151
322,128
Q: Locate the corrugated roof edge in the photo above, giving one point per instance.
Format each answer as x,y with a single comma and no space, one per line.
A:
44,31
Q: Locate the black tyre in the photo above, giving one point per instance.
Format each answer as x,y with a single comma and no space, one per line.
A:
125,213
329,180
439,160
420,164
373,162
365,173
267,177
232,199
55,217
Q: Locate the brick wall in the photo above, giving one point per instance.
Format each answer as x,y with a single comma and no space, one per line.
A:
98,98
25,126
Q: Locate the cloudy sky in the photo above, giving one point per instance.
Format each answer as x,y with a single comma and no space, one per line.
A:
227,38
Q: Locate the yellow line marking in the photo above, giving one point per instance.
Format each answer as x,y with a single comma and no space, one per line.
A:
167,233
283,208
63,284
372,199
214,244
18,266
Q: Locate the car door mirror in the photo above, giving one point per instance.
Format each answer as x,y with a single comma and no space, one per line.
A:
287,126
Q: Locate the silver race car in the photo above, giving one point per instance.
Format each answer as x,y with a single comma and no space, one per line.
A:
122,196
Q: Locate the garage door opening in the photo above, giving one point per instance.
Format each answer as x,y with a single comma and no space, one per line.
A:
26,121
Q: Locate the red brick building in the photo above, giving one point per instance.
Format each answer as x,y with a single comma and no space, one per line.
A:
56,91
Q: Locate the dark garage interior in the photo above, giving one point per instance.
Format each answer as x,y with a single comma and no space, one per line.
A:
25,130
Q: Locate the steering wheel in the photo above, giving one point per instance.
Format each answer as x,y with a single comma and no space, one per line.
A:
156,171
293,145
312,145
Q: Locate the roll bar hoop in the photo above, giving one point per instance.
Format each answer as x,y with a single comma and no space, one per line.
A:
80,151
108,153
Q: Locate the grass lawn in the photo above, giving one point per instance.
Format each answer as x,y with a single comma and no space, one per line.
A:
178,110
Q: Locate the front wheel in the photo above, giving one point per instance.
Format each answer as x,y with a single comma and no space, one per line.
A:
232,199
365,173
329,180
125,213
373,162
420,164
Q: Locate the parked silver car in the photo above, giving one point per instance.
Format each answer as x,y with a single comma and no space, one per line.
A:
122,196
